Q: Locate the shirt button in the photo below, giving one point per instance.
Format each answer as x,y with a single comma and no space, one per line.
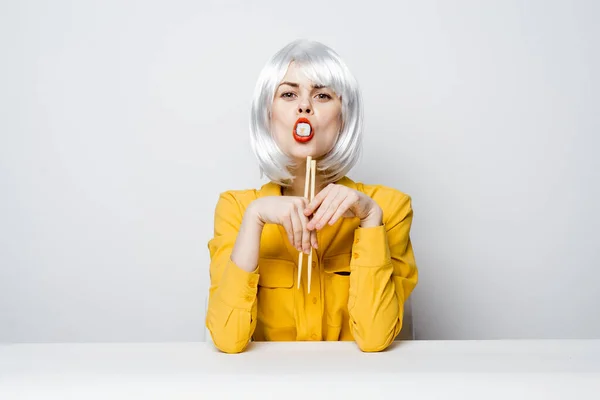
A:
314,300
356,241
314,336
355,255
314,264
249,298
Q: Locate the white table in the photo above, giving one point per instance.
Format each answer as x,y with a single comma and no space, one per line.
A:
505,369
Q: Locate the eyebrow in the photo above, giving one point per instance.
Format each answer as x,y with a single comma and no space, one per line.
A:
293,84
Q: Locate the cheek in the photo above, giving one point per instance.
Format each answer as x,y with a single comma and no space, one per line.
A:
275,113
280,129
277,120
333,123
330,135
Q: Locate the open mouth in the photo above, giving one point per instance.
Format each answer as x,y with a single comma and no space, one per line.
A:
303,130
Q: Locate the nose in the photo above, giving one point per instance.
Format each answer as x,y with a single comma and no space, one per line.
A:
305,107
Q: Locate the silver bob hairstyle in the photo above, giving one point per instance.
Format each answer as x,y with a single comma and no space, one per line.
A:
323,66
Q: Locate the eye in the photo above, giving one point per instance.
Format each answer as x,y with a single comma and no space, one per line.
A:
287,95
325,96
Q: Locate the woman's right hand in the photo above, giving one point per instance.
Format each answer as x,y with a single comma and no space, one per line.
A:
287,211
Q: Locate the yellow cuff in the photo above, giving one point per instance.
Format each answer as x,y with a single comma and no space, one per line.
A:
370,248
238,287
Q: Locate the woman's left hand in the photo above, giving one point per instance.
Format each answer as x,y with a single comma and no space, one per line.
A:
336,201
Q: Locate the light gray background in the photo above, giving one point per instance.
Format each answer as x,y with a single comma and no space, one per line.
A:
120,123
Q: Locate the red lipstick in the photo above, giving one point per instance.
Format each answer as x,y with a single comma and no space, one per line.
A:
303,130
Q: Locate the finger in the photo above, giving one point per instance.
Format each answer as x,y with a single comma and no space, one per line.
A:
333,207
289,228
297,228
305,222
332,192
313,239
342,210
328,208
305,232
316,201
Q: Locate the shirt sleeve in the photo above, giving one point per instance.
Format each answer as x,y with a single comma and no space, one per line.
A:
383,274
231,313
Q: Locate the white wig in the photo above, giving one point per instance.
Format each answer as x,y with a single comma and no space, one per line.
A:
323,66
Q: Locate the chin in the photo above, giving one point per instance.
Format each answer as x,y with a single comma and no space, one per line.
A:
300,152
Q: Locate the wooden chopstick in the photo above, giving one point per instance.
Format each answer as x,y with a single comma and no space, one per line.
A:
313,167
309,164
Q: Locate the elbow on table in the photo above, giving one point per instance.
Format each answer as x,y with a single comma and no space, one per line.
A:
225,340
224,336
226,345
373,346
374,340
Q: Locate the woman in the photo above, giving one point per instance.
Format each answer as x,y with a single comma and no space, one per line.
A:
307,104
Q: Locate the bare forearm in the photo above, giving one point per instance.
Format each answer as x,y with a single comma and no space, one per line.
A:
247,245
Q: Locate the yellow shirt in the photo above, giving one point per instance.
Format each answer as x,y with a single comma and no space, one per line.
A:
360,279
